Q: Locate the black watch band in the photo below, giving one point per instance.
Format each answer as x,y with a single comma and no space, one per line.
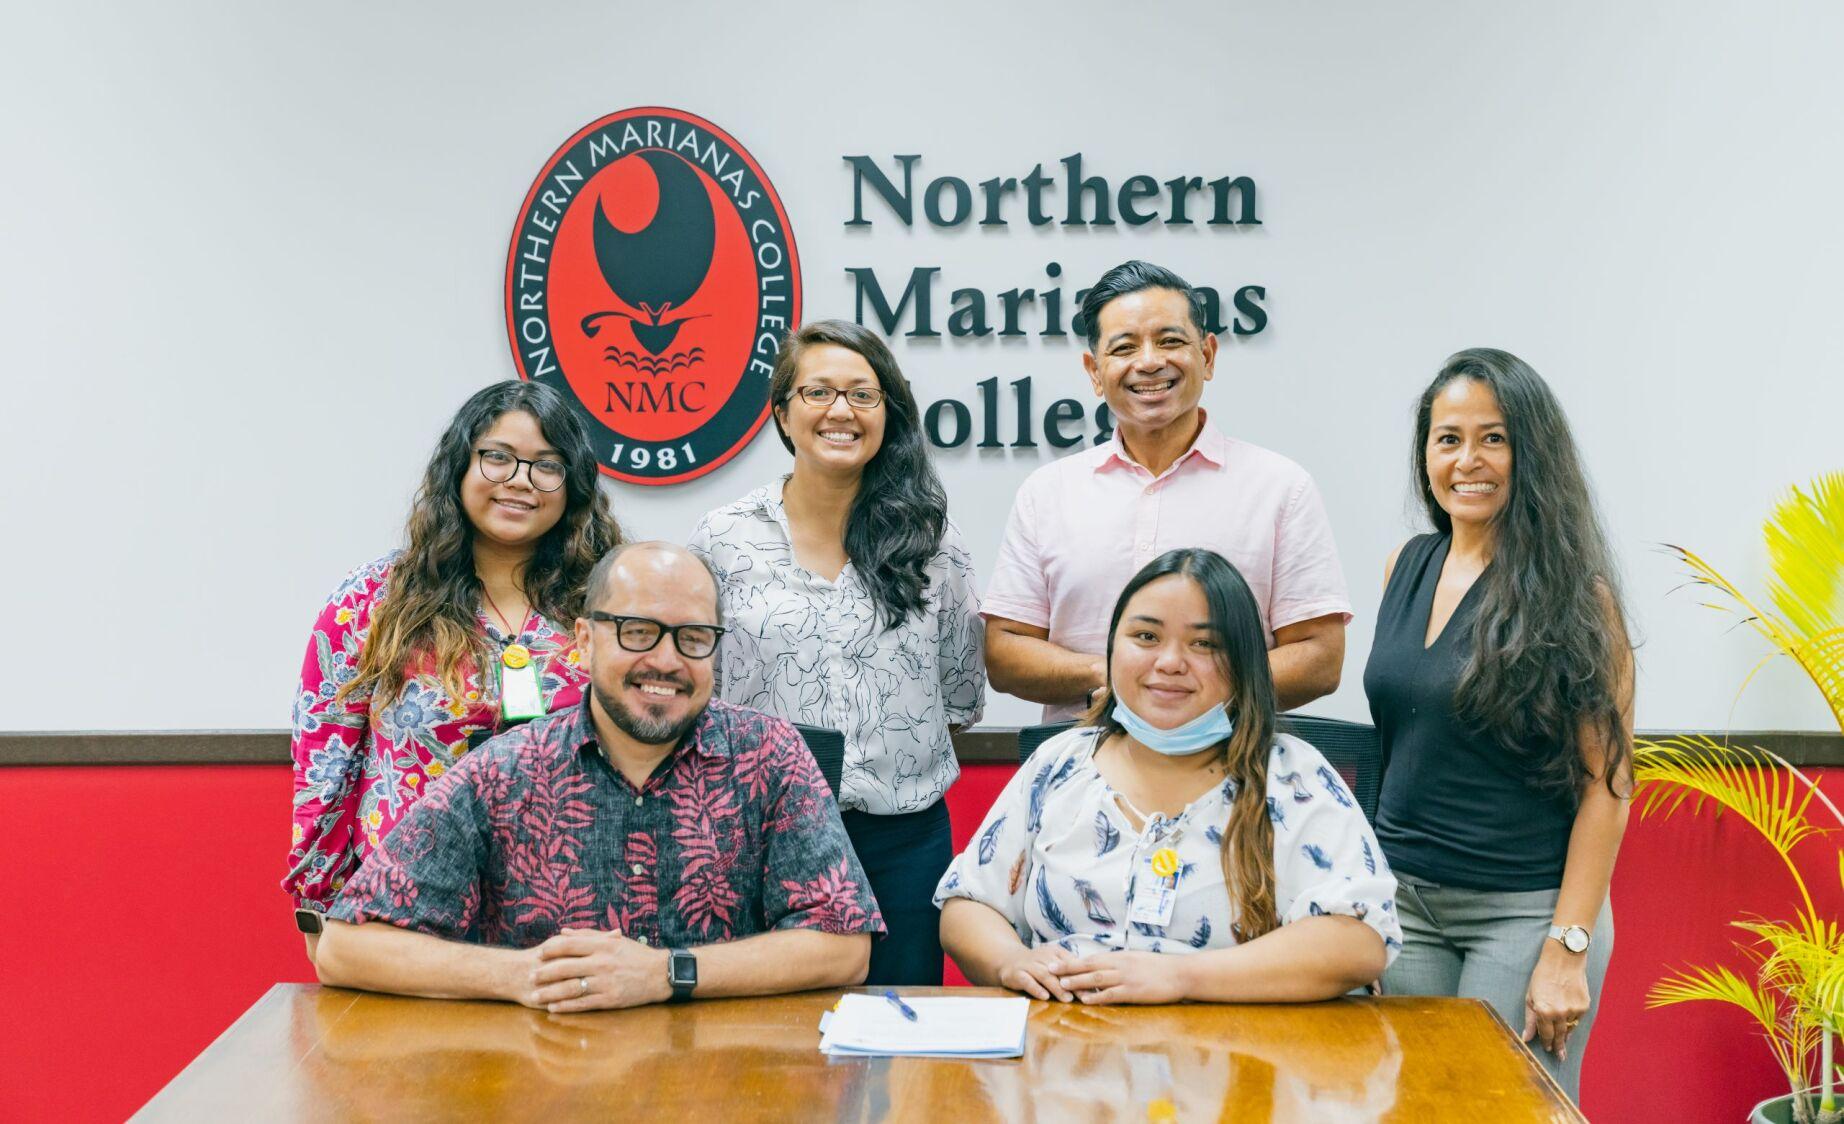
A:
681,974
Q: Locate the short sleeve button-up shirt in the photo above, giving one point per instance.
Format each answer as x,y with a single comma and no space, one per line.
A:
1082,526
734,834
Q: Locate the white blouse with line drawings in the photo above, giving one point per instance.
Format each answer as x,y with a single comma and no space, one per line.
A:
814,651
1058,858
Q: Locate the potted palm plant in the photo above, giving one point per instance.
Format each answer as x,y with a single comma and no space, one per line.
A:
1792,978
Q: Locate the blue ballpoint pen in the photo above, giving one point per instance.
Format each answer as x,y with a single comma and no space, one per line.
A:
908,1011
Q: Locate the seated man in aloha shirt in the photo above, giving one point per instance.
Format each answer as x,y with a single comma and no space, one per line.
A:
576,862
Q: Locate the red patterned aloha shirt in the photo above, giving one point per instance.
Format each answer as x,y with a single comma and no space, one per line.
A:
735,833
359,766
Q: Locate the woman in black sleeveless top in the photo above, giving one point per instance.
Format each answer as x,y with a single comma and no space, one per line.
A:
1501,685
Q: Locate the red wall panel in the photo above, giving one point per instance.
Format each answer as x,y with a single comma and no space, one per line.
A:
142,915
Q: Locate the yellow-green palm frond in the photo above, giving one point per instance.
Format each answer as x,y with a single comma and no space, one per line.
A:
1747,781
1827,992
1822,657
1812,936
1705,574
1789,1038
1805,962
1805,547
1814,989
1717,985
1805,552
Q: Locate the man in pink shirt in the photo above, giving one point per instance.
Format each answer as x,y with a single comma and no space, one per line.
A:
1082,526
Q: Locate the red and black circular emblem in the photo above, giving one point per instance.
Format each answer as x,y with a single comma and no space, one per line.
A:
651,277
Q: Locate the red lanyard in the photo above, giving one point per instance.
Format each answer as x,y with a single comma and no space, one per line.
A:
505,621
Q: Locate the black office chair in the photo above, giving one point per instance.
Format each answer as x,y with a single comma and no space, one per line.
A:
828,748
1352,748
1031,737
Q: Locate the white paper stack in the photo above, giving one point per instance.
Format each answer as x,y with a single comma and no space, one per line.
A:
871,1026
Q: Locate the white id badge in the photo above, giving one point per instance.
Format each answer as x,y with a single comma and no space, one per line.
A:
520,695
1153,905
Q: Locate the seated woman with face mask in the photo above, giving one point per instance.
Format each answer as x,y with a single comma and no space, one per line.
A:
1175,821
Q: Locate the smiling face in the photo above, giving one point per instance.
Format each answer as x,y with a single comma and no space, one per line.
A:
837,438
1150,362
1167,662
654,696
513,513
1468,453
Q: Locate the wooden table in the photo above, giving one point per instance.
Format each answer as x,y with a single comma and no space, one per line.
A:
313,1053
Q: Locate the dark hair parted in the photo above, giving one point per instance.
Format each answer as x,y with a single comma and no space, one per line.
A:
1550,647
428,612
1131,277
1242,655
901,511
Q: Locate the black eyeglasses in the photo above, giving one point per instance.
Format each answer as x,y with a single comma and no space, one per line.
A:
641,634
500,466
858,397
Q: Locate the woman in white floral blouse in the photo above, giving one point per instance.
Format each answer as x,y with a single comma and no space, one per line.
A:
1175,821
849,599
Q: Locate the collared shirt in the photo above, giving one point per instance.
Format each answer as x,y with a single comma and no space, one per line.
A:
1082,526
1060,860
816,652
360,762
734,834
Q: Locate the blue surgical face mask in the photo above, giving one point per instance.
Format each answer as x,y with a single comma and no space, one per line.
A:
1202,732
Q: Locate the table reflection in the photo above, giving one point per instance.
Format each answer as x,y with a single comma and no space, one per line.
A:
328,1053
387,1058
1102,1063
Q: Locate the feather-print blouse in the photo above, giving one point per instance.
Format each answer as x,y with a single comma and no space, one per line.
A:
1060,860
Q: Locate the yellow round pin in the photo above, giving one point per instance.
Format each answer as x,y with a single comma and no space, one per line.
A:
1165,862
515,656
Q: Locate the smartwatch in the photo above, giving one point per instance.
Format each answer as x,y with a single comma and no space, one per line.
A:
682,974
309,921
1572,937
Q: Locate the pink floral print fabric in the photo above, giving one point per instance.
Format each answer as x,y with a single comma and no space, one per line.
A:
361,763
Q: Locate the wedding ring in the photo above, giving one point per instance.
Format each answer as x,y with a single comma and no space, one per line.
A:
584,980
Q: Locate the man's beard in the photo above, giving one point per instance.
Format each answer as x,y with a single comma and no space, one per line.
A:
640,727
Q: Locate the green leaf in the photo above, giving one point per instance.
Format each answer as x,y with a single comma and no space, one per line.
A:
1744,780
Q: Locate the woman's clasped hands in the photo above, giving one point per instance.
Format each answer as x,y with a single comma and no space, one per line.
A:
1052,972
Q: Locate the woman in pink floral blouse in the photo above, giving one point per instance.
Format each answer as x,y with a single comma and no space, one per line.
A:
406,663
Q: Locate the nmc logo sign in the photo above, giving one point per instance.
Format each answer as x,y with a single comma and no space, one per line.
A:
651,277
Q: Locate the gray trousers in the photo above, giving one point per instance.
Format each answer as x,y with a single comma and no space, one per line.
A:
1483,944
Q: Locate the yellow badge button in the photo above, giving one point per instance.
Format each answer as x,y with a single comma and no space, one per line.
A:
515,656
1165,862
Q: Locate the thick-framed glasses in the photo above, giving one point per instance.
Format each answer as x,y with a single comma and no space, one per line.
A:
858,397
500,466
641,634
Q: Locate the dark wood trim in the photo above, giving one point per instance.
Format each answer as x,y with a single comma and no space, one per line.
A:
146,747
987,745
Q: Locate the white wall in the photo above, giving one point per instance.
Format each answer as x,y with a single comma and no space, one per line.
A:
253,260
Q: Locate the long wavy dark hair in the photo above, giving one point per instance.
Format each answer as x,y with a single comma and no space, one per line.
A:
428,612
1242,656
901,511
1549,640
